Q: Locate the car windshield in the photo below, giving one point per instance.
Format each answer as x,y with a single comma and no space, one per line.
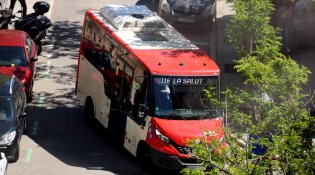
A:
12,56
184,97
5,108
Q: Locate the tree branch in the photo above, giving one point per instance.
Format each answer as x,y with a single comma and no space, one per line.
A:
255,165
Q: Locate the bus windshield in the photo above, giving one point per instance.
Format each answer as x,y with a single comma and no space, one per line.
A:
184,97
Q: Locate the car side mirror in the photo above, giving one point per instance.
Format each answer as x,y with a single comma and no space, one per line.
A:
34,59
24,115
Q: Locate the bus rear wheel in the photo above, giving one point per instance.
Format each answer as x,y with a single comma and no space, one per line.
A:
89,111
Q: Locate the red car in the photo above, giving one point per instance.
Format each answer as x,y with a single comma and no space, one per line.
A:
18,56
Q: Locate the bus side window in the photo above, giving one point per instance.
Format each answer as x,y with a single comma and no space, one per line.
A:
125,103
101,60
94,47
87,29
121,86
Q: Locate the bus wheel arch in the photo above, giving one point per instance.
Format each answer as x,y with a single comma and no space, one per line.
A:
89,111
142,154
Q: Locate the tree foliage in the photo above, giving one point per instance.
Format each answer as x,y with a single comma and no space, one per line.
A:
250,31
271,112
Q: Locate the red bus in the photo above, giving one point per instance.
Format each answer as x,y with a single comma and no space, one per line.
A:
144,82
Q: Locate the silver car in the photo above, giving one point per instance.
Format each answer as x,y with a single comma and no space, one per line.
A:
187,11
3,164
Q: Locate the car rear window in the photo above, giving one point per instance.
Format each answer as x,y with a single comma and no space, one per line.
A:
12,56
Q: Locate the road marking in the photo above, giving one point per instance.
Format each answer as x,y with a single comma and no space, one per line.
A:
41,101
49,48
47,71
47,67
46,77
35,127
28,155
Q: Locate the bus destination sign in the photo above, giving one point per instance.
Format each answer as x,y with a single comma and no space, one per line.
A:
183,80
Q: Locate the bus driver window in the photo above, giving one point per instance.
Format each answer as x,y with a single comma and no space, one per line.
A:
192,101
138,92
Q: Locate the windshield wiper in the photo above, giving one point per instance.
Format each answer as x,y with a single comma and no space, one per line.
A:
177,114
212,113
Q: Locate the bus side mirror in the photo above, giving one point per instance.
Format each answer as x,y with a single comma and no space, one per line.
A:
142,111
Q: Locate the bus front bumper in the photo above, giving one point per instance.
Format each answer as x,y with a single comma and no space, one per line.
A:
171,162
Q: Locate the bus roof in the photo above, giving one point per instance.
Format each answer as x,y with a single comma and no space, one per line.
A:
174,62
153,41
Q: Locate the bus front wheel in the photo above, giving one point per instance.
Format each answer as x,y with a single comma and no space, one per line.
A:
143,157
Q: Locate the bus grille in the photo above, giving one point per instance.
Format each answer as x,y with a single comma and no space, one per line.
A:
189,160
184,149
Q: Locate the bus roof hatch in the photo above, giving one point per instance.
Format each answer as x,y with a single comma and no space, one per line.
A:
136,17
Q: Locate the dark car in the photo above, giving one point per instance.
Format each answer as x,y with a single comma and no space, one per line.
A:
187,11
18,57
12,116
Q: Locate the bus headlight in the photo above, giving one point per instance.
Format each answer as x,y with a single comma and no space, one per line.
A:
162,137
8,138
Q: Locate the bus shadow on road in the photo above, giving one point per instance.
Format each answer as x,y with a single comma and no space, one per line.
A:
63,132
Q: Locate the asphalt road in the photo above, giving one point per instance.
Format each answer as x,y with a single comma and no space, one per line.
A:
59,142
